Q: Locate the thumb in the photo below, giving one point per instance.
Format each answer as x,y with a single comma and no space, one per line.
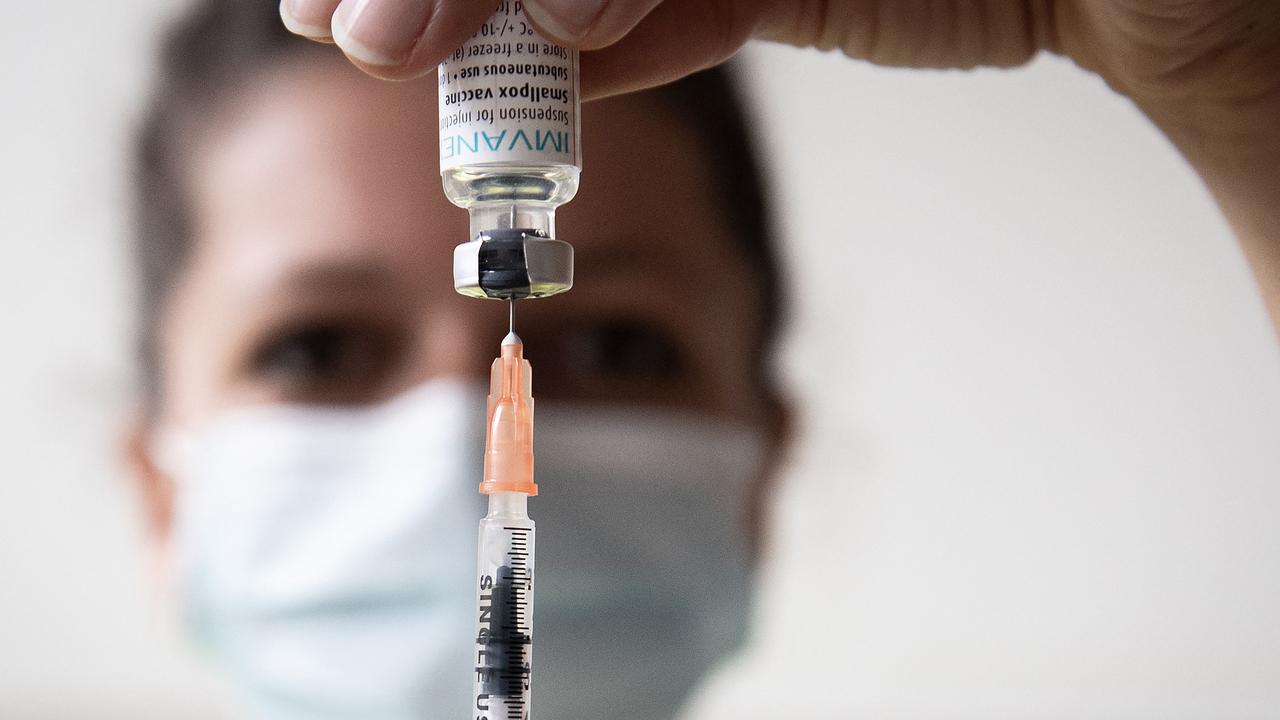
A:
586,24
401,39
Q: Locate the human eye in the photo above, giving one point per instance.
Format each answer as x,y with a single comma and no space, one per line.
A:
626,350
326,360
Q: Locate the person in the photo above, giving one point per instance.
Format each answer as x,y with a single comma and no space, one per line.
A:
1204,71
308,374
308,447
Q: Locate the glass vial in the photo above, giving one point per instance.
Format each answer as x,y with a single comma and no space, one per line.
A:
510,132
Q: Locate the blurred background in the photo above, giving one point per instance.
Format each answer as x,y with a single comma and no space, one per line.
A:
1038,464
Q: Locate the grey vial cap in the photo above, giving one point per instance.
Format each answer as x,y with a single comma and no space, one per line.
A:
512,263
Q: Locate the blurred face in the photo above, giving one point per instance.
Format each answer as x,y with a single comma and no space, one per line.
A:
321,275
321,266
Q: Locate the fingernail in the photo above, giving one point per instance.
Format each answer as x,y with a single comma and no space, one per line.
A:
380,32
567,20
307,19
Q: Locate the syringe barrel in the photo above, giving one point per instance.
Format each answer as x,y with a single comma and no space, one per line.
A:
504,610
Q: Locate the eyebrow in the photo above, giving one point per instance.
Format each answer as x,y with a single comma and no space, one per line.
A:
637,254
331,275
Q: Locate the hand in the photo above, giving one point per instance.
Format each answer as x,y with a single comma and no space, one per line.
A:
1145,48
1206,71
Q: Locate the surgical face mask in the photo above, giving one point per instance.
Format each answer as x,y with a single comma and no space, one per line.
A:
643,579
325,555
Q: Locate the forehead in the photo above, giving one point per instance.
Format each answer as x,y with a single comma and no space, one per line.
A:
319,161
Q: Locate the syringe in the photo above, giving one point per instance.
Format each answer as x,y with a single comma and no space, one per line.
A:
504,567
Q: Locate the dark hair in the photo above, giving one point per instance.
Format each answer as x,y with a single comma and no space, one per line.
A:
215,52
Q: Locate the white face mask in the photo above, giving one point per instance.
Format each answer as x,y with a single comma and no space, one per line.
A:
325,555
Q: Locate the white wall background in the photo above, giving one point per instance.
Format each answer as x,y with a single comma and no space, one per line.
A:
1039,471
80,634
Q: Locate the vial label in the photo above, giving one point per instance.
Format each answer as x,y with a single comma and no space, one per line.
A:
509,96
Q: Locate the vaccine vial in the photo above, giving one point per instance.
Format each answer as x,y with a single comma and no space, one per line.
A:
510,154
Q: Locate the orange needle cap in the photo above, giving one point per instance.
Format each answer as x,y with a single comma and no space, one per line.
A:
508,447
